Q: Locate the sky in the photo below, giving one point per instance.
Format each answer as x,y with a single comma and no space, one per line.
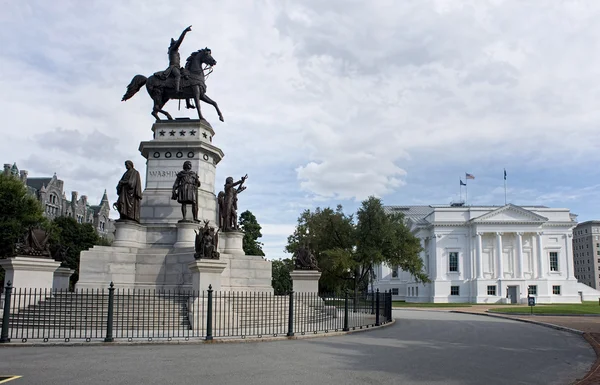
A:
325,102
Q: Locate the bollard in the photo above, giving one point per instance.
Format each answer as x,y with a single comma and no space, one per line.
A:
377,323
346,328
6,315
209,314
290,332
109,319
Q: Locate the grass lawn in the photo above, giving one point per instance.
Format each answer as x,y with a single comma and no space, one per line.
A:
410,304
590,307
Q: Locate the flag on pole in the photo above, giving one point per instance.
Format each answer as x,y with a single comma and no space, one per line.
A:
462,183
504,174
469,176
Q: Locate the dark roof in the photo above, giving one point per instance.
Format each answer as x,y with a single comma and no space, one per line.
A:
37,183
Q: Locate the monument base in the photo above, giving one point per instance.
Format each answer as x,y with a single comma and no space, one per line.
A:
29,272
206,273
305,281
129,234
186,234
62,277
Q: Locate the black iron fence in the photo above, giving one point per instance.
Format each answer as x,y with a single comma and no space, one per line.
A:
132,315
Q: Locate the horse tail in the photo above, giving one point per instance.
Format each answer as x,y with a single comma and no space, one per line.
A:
137,82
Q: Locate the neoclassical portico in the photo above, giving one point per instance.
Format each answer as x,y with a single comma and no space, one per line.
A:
489,255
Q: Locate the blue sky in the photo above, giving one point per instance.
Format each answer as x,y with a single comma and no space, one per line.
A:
325,102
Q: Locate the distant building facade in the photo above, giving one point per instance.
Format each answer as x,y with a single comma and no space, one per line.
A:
586,253
49,191
489,254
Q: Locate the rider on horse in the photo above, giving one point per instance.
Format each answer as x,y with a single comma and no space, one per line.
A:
175,59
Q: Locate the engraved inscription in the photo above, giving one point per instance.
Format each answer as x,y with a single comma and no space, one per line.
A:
162,174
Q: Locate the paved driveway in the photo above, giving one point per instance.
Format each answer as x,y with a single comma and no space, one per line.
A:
421,348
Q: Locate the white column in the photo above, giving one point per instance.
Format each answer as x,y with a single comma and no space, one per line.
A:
520,255
436,260
479,256
499,266
569,256
540,253
423,254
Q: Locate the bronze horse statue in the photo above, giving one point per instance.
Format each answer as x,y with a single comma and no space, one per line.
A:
161,89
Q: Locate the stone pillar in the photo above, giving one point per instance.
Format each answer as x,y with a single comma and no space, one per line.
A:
500,264
305,281
205,273
479,256
436,261
129,234
186,234
29,272
540,253
569,256
231,242
62,276
520,255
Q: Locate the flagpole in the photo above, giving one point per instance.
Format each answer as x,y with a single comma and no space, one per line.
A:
504,187
466,191
460,190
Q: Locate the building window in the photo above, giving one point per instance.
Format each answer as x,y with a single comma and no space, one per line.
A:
491,290
532,290
553,261
394,291
417,291
556,290
395,272
454,261
454,290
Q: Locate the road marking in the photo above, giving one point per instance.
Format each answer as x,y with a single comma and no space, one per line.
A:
5,379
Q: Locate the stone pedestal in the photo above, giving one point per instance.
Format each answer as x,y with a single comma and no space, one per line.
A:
186,234
305,281
129,234
61,278
231,242
205,273
29,272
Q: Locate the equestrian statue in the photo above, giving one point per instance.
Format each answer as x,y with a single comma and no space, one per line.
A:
176,82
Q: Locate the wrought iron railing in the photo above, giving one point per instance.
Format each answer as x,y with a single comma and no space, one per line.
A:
132,315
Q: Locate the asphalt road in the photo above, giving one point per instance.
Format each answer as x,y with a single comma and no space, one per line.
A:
421,348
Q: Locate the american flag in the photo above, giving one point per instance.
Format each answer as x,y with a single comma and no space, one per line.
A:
469,176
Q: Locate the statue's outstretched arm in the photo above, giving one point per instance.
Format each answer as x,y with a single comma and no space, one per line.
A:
180,40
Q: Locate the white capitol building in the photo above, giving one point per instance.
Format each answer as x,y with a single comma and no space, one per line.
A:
489,254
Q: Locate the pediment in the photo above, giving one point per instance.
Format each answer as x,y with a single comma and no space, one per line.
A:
510,213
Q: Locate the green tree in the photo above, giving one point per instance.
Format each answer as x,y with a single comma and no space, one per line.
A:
18,211
281,279
347,250
65,231
251,228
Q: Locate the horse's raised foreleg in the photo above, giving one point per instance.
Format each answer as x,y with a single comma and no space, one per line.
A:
197,100
208,100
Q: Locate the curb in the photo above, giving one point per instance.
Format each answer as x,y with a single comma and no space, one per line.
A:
546,315
551,326
224,340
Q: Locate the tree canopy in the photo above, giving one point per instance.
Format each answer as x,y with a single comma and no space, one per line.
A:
281,279
18,212
251,228
347,248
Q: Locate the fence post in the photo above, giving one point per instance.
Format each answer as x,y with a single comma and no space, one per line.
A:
388,306
372,302
290,332
209,314
6,315
346,328
109,319
377,323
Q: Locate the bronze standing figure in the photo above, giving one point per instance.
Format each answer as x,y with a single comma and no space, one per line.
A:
129,191
185,190
228,203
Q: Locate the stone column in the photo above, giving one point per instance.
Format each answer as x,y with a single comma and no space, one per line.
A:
205,273
438,268
62,276
500,264
569,256
520,255
540,253
479,256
